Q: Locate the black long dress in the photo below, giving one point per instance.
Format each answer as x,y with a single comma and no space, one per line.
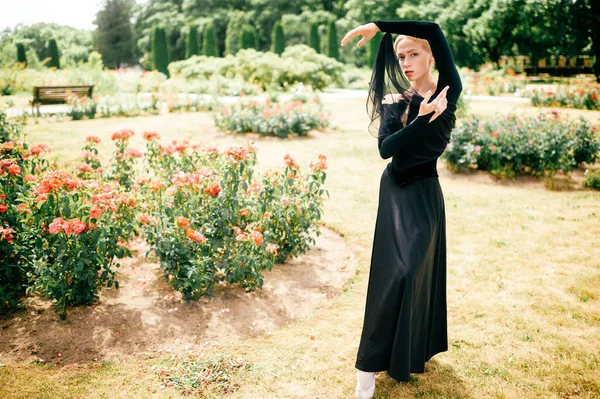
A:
405,321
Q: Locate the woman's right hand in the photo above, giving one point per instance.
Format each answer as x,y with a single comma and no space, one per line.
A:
367,31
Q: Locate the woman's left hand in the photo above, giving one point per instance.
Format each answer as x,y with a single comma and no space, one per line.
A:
367,31
438,105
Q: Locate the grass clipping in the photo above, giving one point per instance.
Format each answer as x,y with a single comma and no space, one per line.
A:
205,377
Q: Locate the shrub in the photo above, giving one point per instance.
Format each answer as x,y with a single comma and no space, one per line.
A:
316,70
9,131
60,229
248,38
53,54
191,44
507,145
592,180
209,42
160,50
81,107
314,41
211,222
277,39
269,118
21,55
333,45
205,213
297,64
236,21
17,240
582,95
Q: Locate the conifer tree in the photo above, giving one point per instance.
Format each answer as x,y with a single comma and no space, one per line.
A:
277,39
236,20
209,41
192,47
249,37
113,37
53,54
160,50
21,56
313,37
332,41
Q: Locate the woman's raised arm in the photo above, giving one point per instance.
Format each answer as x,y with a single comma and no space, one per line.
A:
431,31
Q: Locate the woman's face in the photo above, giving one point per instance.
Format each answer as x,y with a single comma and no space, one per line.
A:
414,60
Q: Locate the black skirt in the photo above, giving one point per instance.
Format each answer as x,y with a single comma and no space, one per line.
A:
405,320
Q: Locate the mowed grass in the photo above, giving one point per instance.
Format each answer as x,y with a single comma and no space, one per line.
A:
523,283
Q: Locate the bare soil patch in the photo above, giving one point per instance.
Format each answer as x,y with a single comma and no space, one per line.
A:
144,318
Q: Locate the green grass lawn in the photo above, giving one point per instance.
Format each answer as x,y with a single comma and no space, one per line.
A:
523,282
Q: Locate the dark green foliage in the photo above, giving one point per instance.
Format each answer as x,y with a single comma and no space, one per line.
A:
236,21
53,54
592,180
160,50
314,40
333,45
373,46
75,44
249,37
539,146
21,56
113,37
191,46
277,39
210,48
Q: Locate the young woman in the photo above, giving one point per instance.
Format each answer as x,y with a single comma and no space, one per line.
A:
405,315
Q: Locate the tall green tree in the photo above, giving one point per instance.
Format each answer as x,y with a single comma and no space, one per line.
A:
314,40
192,48
21,55
53,54
113,37
237,20
333,44
248,38
169,15
160,50
278,39
209,41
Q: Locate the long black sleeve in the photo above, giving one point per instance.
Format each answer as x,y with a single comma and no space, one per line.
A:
431,31
392,142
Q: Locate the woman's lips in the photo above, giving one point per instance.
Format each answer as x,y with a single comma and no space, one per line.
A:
407,72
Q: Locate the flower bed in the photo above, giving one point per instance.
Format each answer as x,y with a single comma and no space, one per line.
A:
492,83
211,219
507,145
207,215
582,95
272,118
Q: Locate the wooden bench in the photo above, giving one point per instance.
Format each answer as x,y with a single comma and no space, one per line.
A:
57,94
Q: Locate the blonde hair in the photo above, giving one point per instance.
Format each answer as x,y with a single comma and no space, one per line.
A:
424,43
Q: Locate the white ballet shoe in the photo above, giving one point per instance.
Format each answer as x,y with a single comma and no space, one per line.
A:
364,393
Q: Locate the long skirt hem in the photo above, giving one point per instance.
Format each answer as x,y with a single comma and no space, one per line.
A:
405,322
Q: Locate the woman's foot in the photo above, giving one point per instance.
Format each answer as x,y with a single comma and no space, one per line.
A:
365,379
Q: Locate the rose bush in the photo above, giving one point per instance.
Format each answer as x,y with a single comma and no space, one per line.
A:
210,221
509,145
272,118
61,230
206,214
581,94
